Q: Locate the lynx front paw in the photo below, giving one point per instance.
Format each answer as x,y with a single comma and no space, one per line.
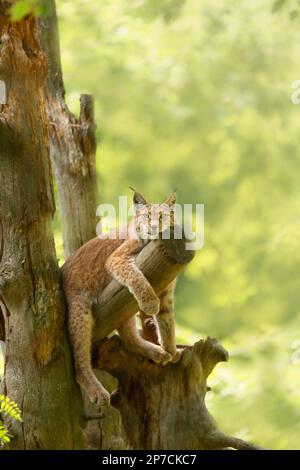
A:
149,304
97,394
176,356
159,355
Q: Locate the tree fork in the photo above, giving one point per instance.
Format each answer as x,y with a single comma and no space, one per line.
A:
163,407
73,145
73,148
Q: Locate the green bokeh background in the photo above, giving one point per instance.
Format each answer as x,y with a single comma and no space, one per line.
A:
196,95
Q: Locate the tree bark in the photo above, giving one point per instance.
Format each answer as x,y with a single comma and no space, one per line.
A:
38,367
73,146
2,328
163,407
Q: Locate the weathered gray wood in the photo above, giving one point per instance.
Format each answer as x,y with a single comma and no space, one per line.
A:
163,407
161,261
72,146
38,366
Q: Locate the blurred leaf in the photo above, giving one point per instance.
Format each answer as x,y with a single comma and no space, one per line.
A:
277,5
167,9
294,14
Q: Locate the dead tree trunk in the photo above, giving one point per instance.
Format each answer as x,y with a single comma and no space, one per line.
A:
38,368
73,148
163,407
72,144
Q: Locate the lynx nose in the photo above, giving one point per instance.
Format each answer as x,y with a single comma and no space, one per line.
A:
154,229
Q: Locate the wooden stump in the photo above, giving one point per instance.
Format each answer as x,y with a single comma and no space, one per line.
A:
163,407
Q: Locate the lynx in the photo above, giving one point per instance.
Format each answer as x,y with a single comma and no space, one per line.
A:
88,271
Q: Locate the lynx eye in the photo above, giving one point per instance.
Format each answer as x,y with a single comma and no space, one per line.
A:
164,217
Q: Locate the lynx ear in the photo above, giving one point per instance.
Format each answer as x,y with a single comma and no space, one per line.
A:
138,198
171,200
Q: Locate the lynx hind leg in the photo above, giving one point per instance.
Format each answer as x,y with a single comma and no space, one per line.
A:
135,343
80,323
166,322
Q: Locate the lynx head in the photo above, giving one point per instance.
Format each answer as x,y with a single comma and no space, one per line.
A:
150,220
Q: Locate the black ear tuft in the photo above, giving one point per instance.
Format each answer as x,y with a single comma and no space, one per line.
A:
171,200
137,197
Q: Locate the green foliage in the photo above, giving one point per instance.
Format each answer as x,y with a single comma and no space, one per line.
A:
23,8
11,410
278,5
202,103
289,7
4,435
152,9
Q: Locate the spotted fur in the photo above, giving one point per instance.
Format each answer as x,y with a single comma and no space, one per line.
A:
88,271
